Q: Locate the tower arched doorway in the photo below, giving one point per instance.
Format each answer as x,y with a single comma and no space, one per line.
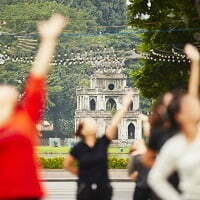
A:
131,131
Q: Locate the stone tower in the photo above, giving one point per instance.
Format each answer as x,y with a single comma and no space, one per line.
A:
104,96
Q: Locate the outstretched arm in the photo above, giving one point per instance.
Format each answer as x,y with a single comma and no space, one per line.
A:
112,128
49,32
34,95
193,54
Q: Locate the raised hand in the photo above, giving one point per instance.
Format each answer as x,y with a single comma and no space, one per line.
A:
192,52
140,147
51,28
112,128
49,31
127,99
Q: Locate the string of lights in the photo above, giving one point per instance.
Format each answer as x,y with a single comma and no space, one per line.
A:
94,55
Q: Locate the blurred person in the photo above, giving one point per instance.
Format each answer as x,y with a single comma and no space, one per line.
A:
92,158
181,152
161,127
161,130
19,174
138,172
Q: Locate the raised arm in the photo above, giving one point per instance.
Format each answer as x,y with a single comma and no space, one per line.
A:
49,32
34,95
112,128
193,54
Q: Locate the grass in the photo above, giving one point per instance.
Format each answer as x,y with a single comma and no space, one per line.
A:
63,150
118,150
51,150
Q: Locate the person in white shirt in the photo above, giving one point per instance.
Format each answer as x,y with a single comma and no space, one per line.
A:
181,153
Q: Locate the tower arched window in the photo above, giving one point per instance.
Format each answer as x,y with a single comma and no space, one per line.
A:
92,105
131,131
131,106
111,104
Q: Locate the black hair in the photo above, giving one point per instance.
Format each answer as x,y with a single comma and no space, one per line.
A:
158,119
174,108
78,132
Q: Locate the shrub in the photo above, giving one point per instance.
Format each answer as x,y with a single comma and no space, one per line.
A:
57,163
52,163
117,163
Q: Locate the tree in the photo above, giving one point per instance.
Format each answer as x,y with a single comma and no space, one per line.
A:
20,21
111,14
81,36
177,22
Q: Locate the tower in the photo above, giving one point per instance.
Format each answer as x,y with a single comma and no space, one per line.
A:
104,96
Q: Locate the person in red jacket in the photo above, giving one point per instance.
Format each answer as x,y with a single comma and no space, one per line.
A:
19,177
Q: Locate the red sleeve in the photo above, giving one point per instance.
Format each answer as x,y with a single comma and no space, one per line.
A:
34,97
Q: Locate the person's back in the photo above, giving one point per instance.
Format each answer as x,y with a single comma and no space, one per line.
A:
140,174
186,161
18,170
157,139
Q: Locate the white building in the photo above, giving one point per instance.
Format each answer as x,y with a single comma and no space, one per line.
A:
104,96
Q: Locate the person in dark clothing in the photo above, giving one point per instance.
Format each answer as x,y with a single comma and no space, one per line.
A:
161,127
91,155
161,131
139,173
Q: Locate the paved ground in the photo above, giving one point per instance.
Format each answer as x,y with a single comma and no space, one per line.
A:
67,190
61,185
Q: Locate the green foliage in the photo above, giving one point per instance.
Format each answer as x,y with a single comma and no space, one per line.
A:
117,163
145,105
57,163
107,12
84,83
62,99
52,163
23,16
117,150
110,13
85,17
155,78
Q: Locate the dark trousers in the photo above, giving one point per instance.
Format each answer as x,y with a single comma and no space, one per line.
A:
94,191
141,194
